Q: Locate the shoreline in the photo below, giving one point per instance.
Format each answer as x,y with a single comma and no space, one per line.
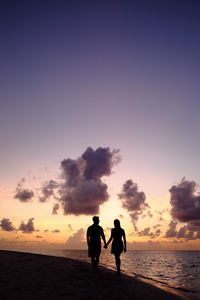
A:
40,276
149,281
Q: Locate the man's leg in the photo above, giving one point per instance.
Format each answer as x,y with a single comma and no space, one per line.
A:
97,262
93,262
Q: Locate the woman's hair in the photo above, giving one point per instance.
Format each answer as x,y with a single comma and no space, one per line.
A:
117,223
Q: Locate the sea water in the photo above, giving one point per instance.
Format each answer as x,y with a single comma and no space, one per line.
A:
179,270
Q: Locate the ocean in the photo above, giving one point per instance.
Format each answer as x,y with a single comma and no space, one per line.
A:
178,270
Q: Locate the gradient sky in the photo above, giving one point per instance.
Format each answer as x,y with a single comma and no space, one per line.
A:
118,74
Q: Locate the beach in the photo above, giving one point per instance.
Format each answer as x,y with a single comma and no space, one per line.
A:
35,276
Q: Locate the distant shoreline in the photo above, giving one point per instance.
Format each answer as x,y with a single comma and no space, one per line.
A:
37,276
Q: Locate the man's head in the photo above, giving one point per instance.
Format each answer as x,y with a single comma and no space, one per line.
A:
95,220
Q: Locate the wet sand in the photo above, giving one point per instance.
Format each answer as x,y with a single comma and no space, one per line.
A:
34,276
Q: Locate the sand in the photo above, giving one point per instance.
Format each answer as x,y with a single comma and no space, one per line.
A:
34,276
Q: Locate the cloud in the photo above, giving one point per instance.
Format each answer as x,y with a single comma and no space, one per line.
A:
194,225
187,232
161,214
156,226
6,225
133,200
23,195
70,227
149,214
55,231
27,228
157,232
185,204
171,232
48,190
147,232
121,216
185,208
55,209
77,240
83,191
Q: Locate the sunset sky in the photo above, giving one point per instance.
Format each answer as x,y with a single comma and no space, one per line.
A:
99,115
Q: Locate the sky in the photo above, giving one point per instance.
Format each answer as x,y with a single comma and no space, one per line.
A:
99,115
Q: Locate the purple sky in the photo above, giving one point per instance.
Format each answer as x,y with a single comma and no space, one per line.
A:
118,74
123,74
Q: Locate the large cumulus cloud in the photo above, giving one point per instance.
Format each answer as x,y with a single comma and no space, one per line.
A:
185,203
185,208
83,190
133,200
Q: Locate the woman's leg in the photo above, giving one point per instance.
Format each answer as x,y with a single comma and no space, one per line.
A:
118,262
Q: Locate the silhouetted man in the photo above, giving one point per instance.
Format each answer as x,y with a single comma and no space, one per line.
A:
94,235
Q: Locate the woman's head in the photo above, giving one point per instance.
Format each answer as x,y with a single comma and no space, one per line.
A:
117,223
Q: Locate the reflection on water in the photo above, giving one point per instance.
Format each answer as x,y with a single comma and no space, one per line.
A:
177,269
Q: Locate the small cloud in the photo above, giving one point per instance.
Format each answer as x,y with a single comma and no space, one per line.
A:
149,213
157,232
121,216
70,227
55,209
6,225
148,232
27,228
144,232
156,226
55,231
39,236
22,194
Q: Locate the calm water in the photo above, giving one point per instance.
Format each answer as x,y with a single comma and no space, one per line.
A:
176,269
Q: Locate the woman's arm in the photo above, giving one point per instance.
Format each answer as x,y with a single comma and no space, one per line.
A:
124,238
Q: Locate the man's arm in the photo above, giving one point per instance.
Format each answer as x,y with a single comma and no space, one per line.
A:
103,237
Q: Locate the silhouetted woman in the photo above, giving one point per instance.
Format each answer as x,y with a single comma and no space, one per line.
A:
118,245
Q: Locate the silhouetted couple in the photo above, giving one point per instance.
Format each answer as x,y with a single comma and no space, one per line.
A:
94,235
